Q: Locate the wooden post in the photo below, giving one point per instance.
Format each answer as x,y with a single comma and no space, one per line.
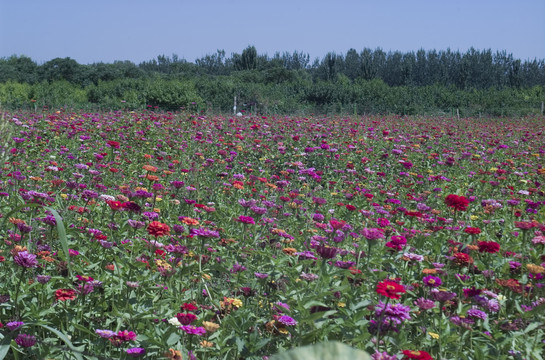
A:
458,113
235,106
542,108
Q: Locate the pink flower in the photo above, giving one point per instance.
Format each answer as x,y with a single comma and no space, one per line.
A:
245,219
193,330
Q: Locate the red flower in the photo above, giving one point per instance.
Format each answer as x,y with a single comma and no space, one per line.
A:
115,205
462,259
157,229
189,307
65,294
390,289
472,230
337,224
113,144
489,246
456,202
186,318
416,354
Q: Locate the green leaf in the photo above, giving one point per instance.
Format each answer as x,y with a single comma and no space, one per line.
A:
64,338
531,327
62,236
4,346
311,303
325,351
173,339
240,344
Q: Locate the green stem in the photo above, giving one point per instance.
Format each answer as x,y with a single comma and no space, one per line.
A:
16,308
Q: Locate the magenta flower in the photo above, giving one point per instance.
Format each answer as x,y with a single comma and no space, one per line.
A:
245,219
287,320
432,281
193,330
135,352
126,335
25,340
14,325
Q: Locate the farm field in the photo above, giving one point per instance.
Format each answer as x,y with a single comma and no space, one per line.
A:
169,235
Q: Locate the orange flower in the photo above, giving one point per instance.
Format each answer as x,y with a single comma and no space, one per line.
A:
152,177
149,168
15,221
429,271
174,354
535,269
289,251
190,221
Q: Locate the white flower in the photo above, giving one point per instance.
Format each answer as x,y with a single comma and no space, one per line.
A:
174,321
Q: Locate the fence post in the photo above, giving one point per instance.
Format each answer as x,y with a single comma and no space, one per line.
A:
458,113
542,108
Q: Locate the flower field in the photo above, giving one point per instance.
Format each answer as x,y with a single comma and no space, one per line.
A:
171,235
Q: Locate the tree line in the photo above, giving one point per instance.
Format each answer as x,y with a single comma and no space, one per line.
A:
366,81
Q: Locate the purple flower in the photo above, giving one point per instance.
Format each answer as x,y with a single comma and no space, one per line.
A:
442,296
135,352
204,232
476,314
308,277
43,279
25,259
372,234
383,356
304,255
14,325
25,340
326,252
424,304
261,275
287,320
392,313
106,334
318,217
193,330
237,268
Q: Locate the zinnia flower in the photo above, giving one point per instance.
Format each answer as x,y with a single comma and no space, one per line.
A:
193,330
25,259
432,281
287,320
245,219
65,294
416,354
489,246
156,228
456,202
25,340
186,318
390,289
135,352
472,230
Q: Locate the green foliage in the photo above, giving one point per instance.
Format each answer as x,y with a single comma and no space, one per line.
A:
14,95
325,351
371,81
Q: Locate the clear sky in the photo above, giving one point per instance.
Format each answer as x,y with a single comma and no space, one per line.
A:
139,30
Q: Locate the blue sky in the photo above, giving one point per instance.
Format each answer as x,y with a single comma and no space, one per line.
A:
139,30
